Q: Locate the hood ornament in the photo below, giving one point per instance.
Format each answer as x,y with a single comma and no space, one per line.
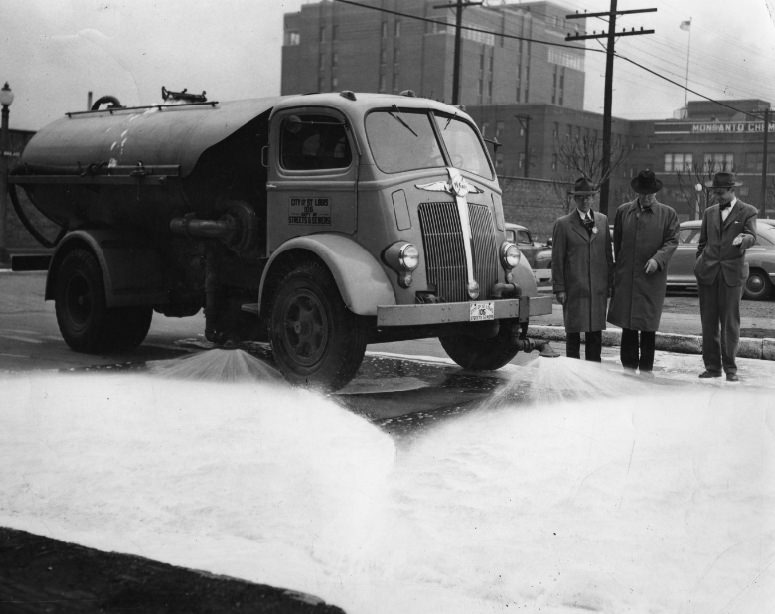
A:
457,185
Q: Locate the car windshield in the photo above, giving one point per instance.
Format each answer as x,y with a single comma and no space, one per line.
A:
765,235
404,139
689,235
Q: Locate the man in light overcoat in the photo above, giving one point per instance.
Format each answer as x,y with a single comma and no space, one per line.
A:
645,237
582,271
728,229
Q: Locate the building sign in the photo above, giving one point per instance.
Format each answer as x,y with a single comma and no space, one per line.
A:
313,211
714,127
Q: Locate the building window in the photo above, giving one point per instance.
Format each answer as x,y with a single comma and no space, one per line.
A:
292,38
715,162
554,162
384,29
322,34
499,127
498,160
754,162
678,162
522,160
555,130
397,29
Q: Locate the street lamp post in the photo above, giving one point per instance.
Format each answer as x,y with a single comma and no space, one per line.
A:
6,98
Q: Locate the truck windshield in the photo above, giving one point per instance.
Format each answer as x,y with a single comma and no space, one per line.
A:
404,139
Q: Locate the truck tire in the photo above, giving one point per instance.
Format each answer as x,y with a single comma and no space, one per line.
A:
316,341
481,354
86,324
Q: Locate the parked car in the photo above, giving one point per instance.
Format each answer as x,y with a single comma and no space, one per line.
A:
760,258
538,254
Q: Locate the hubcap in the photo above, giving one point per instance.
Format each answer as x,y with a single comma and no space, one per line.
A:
79,299
305,328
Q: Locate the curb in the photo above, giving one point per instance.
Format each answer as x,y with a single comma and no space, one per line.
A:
762,349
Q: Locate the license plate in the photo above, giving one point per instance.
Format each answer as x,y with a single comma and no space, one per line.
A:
482,311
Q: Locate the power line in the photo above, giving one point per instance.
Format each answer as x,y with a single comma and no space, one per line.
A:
548,43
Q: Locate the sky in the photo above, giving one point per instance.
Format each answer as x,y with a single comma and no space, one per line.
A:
596,491
54,52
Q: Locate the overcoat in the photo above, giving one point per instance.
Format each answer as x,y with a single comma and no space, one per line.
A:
715,252
641,234
582,267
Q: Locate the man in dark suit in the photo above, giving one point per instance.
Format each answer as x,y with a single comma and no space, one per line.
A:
728,229
582,272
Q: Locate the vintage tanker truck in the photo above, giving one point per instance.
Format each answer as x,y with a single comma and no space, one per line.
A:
319,223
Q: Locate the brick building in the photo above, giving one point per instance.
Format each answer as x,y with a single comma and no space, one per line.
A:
394,45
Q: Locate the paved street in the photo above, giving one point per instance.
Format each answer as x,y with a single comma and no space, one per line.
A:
413,379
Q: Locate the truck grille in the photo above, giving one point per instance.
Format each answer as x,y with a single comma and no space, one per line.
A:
445,256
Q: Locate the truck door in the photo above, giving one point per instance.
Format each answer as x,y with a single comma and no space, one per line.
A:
312,177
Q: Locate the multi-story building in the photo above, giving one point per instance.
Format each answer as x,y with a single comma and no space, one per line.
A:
395,45
710,137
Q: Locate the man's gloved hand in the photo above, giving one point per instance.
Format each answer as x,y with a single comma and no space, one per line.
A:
560,297
651,266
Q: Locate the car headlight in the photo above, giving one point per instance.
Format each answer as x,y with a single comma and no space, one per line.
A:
510,255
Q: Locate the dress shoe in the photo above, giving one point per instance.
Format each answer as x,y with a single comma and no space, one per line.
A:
709,374
732,377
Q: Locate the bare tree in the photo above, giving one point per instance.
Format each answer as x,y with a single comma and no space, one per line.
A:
582,155
691,183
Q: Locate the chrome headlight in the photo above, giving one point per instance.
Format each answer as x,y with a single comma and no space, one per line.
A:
510,255
402,256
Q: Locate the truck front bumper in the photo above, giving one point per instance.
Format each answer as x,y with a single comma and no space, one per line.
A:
469,311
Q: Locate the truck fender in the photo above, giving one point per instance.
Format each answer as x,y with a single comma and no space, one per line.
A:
525,278
131,272
361,280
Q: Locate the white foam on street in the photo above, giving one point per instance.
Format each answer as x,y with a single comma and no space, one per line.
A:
609,494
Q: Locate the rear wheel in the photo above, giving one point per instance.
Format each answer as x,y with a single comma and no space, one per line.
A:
757,286
86,324
316,340
481,354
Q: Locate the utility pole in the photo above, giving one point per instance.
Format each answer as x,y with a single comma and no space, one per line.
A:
609,76
459,5
764,162
524,122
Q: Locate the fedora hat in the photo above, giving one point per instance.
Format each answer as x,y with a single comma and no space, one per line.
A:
723,180
583,186
646,183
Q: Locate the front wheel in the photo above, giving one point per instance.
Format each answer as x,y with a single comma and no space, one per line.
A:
316,341
481,354
757,286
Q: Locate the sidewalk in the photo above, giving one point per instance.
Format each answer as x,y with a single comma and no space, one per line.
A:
679,332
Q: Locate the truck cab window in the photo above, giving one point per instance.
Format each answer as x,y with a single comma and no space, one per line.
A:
309,142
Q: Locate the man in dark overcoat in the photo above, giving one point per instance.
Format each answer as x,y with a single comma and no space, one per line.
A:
645,237
582,271
728,229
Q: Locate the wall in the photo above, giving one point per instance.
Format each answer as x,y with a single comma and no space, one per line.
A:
534,203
